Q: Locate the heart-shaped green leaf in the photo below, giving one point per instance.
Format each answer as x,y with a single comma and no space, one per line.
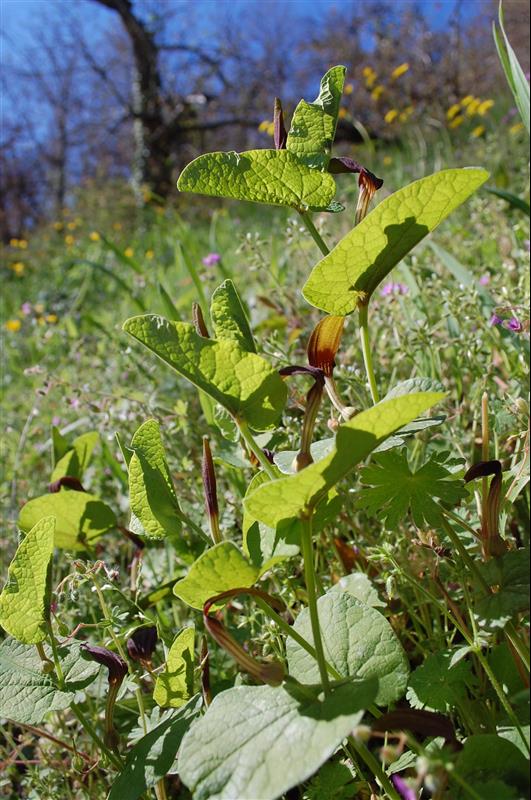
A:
77,458
154,506
295,495
219,569
259,741
243,383
175,684
80,517
261,544
276,177
24,602
313,125
365,256
229,318
358,641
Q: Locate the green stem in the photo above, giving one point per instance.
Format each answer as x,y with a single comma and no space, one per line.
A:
254,448
314,233
56,660
372,763
309,577
520,647
98,741
366,350
501,695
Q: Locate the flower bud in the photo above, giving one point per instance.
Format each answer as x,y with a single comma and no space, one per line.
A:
199,321
280,136
141,644
210,490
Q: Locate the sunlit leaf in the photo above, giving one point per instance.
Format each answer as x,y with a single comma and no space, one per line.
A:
80,517
175,684
77,458
219,569
229,318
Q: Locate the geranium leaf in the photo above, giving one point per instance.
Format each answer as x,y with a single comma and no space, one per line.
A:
80,517
240,747
487,757
229,318
219,569
313,125
243,383
365,256
175,684
295,495
275,177
155,510
24,602
153,756
510,575
358,641
437,685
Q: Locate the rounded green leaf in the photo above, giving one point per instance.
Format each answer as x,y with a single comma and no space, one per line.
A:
229,318
259,741
219,569
276,177
365,256
243,383
175,684
77,458
80,517
358,641
24,602
292,496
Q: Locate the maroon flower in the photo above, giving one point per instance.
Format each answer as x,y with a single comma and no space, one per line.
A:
142,643
115,664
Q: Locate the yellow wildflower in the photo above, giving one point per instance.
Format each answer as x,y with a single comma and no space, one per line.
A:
13,325
455,123
391,115
117,226
271,129
264,125
478,131
13,242
377,92
22,243
473,107
467,100
129,252
72,225
453,111
485,106
349,88
51,318
367,72
94,236
387,160
149,254
342,113
69,240
18,268
400,70
38,308
78,221
370,80
58,226
519,126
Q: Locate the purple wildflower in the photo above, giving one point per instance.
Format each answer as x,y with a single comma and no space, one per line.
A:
211,259
26,308
484,280
56,421
392,288
514,325
495,320
403,789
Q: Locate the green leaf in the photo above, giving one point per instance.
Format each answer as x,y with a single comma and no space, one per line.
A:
26,693
358,641
509,575
313,125
276,177
153,755
229,318
24,602
359,586
295,495
334,781
80,517
60,445
75,461
243,383
175,684
487,757
513,199
155,510
514,73
437,685
366,255
259,741
392,490
219,569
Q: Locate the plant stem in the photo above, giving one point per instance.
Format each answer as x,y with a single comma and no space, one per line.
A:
253,446
484,457
372,763
113,758
309,577
314,233
366,350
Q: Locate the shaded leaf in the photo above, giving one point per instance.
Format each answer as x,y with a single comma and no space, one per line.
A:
439,685
509,575
77,458
80,517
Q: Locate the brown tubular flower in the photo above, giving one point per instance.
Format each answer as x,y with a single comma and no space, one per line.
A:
68,482
313,402
492,543
280,135
368,182
141,645
117,669
210,491
271,672
428,724
199,321
322,348
204,664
